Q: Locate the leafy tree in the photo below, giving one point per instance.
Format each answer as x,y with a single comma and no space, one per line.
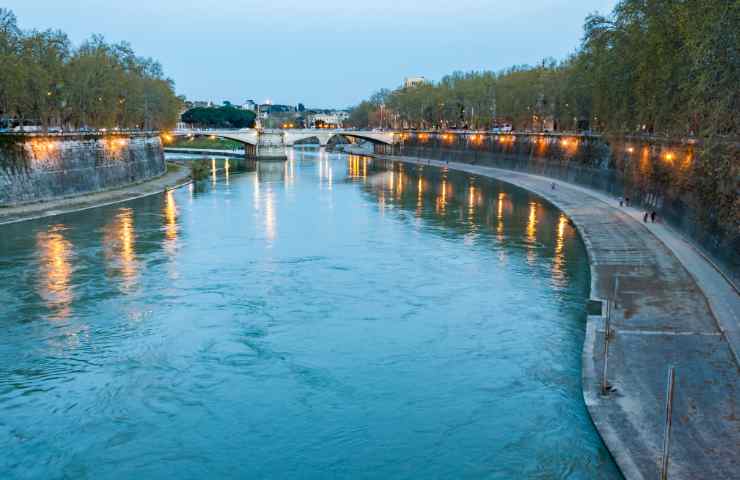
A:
45,80
220,117
668,68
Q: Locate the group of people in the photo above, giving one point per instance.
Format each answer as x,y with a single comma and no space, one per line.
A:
625,202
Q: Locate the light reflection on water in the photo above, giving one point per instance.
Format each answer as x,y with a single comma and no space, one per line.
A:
55,256
329,316
119,245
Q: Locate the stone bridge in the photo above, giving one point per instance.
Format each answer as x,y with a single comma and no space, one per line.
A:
288,138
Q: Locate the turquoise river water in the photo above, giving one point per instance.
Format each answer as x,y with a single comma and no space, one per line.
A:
332,316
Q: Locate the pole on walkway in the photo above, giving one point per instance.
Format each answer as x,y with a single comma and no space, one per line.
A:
668,423
610,307
607,326
616,290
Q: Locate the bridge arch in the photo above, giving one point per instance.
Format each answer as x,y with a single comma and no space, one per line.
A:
247,138
288,138
372,137
308,140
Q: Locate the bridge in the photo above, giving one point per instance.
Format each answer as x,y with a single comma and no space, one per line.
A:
288,138
271,143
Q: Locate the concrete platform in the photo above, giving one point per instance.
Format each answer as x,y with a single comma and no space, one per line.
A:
672,308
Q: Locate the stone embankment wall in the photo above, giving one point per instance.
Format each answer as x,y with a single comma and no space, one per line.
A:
36,168
656,175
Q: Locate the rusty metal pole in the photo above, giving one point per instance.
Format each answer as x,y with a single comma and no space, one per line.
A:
604,381
668,423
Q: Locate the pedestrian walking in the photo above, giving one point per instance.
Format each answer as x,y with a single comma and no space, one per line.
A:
552,186
621,201
627,201
645,217
652,216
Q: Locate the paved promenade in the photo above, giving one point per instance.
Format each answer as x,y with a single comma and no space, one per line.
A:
206,151
173,177
672,309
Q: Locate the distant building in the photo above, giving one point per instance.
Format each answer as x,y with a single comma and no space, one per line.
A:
411,82
250,105
202,104
275,108
328,117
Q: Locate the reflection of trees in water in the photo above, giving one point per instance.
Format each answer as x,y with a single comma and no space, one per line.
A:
477,209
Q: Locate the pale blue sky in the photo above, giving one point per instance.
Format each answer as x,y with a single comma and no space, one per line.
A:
326,53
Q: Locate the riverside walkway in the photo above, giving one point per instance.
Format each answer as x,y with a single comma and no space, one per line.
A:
669,308
206,151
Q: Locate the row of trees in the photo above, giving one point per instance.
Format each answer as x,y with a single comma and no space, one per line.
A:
45,80
226,116
667,67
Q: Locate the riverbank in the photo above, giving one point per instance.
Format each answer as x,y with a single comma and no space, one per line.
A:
174,176
671,309
206,151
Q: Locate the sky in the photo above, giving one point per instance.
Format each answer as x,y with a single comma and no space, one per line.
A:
322,53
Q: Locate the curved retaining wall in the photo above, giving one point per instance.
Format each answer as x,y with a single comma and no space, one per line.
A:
656,176
37,168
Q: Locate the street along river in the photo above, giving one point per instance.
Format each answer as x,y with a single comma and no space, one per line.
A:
331,316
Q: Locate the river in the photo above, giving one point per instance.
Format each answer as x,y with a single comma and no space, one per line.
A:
331,316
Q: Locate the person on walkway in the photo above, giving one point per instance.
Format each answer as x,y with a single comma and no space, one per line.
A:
621,201
645,217
552,186
652,216
627,201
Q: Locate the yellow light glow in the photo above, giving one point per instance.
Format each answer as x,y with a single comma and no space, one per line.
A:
118,242
532,233
532,223
558,272
170,216
55,265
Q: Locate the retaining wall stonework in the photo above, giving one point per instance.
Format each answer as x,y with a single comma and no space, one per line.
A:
37,168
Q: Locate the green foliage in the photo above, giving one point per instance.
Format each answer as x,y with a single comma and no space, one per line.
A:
219,117
199,169
667,68
45,80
